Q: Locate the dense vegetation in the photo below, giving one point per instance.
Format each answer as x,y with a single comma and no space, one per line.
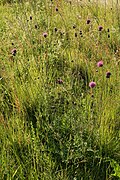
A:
59,90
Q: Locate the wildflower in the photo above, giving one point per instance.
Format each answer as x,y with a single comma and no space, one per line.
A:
100,28
60,81
88,21
108,74
100,64
14,52
45,34
92,84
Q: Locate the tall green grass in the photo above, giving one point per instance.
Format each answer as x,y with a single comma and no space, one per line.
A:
53,125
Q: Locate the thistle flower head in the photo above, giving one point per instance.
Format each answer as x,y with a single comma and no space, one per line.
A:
108,74
60,81
88,21
92,84
100,28
14,51
45,34
100,63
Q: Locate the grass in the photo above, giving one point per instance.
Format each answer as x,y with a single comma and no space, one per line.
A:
52,124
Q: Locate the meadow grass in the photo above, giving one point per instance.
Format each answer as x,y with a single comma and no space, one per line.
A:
52,124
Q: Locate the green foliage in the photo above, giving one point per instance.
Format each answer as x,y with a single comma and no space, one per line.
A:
52,124
116,167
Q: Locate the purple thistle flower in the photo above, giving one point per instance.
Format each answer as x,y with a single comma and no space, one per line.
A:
92,84
88,21
100,28
100,63
14,51
108,74
60,81
45,34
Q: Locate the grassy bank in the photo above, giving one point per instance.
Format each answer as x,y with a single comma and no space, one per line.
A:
55,124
